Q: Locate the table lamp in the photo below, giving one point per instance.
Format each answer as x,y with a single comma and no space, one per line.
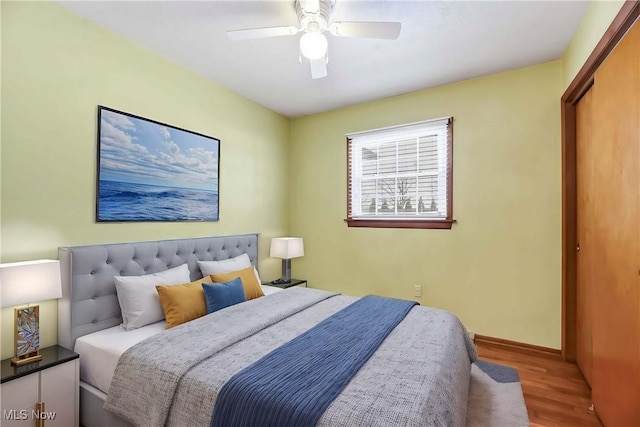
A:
286,248
24,283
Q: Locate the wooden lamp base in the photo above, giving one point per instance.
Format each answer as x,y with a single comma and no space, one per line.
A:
24,359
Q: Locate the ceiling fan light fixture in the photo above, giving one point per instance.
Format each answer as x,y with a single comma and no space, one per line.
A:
315,20
313,45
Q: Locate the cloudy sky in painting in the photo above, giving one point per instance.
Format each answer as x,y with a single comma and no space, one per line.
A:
142,152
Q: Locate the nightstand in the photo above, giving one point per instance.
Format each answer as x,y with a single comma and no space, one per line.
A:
294,282
48,389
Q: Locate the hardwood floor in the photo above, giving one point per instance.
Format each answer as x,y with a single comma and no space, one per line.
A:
555,391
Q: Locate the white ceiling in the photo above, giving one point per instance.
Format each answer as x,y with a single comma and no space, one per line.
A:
440,42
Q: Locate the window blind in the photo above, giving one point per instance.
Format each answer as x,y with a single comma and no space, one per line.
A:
400,172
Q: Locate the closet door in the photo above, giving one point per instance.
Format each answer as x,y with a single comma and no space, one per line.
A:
616,291
586,157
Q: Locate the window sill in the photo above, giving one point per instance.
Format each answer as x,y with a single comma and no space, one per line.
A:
394,223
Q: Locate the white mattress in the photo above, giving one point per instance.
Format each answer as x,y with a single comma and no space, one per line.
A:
99,351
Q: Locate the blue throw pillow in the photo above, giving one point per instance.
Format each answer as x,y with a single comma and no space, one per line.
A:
225,294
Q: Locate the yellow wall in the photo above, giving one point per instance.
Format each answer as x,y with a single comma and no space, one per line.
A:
499,267
595,22
56,69
1,136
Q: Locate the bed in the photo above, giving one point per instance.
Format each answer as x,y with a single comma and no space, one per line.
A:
419,375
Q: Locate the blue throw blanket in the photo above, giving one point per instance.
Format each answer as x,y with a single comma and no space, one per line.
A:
294,384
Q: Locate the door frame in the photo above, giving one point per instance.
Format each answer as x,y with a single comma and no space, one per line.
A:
581,83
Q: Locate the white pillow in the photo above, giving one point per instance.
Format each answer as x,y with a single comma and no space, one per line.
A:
138,297
227,266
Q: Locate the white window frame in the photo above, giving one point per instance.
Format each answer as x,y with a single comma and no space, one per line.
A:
373,139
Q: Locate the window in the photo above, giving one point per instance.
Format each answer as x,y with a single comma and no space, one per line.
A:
401,176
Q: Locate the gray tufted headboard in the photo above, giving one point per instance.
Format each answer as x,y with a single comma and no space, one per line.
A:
89,302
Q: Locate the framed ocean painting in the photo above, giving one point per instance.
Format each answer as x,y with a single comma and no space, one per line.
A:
151,171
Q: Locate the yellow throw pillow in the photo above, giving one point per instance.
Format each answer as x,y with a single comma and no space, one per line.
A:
182,303
250,284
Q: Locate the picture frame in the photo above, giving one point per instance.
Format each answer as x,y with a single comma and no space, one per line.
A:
153,171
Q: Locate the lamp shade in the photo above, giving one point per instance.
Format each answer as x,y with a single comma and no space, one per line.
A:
29,281
287,247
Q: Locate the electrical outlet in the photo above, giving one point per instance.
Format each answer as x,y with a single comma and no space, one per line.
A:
417,290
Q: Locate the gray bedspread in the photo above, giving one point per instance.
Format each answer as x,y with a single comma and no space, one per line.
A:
418,376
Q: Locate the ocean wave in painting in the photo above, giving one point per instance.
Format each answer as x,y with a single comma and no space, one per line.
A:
124,201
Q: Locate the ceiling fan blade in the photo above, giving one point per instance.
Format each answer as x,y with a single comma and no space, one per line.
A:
375,30
259,33
318,67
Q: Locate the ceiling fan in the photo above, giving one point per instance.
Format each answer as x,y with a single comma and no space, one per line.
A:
314,17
